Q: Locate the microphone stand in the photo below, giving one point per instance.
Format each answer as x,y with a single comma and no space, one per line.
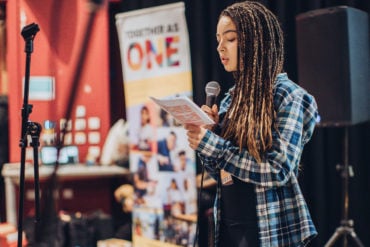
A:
52,181
34,129
28,128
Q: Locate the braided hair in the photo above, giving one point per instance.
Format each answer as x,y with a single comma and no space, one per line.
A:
261,57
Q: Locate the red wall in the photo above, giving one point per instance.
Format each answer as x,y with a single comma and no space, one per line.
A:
56,49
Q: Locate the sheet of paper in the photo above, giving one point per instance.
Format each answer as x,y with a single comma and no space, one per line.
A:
184,110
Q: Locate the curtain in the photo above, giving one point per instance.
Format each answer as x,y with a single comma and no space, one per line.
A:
320,180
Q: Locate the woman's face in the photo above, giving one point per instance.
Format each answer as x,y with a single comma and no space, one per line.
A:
227,39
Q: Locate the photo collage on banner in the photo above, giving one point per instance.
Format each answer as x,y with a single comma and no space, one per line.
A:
156,63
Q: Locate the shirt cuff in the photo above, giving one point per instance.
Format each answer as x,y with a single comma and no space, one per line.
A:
211,145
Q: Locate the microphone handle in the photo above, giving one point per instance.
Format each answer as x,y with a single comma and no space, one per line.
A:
211,100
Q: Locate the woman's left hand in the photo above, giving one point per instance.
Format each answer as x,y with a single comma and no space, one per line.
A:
212,113
195,134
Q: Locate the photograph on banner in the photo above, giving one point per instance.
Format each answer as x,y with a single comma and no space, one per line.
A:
142,131
164,188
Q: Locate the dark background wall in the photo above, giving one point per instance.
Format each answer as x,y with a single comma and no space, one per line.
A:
320,181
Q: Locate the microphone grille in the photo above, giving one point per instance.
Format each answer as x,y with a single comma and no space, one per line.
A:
212,88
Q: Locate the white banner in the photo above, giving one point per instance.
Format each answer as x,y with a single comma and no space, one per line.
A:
156,63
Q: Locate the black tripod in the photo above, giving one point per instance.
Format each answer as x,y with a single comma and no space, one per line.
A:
346,225
28,129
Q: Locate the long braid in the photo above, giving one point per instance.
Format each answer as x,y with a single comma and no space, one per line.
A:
261,58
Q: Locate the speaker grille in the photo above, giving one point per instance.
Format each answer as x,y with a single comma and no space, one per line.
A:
333,63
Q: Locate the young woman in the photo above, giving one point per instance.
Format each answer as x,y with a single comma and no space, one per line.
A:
254,149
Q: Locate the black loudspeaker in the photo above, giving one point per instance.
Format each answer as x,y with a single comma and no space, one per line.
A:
333,63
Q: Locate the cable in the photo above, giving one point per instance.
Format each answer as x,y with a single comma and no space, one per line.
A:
199,199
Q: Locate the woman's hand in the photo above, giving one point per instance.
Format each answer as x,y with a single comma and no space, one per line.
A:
212,113
195,134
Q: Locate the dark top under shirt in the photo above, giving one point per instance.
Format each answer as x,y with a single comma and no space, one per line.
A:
238,203
238,200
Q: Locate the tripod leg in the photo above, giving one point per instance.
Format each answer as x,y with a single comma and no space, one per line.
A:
356,239
334,237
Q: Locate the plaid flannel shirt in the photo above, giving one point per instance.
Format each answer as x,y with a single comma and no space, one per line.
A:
283,216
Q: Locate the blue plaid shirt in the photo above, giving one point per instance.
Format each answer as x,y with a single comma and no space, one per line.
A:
283,216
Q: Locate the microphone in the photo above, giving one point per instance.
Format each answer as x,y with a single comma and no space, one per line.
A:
212,90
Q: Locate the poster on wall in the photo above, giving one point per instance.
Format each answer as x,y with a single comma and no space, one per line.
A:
156,63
